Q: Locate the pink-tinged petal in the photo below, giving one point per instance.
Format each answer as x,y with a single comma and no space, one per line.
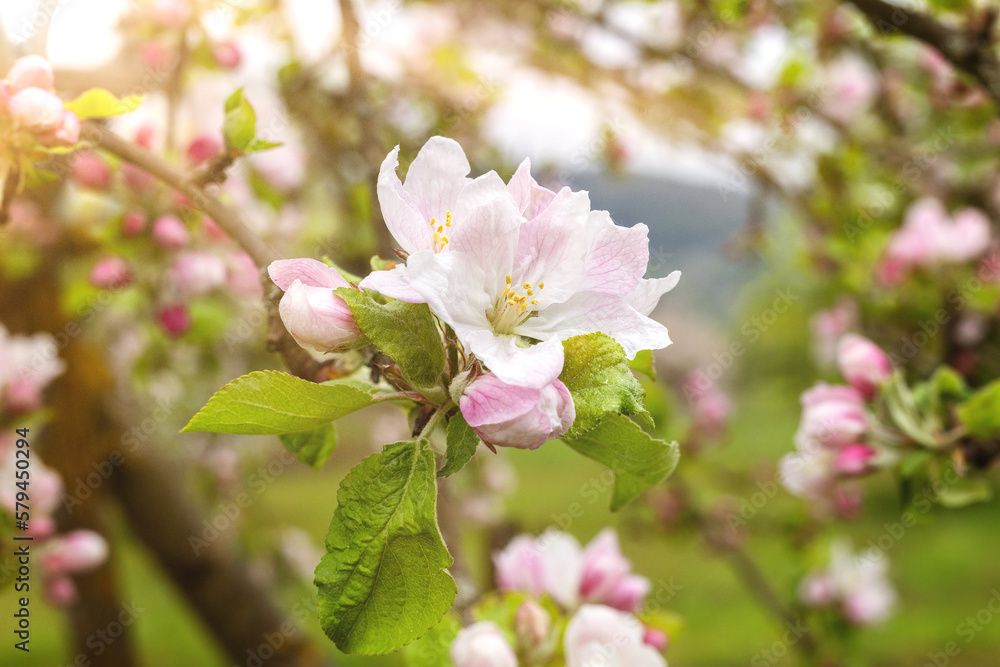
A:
552,248
599,635
394,283
529,197
437,177
30,72
862,363
648,292
628,593
562,563
316,318
617,256
78,551
482,644
534,367
486,225
969,236
588,312
400,211
518,567
310,272
36,110
603,565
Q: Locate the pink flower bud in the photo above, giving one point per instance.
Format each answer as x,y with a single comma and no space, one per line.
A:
532,623
22,396
90,171
817,590
213,231
227,54
203,148
853,459
521,417
135,178
30,72
156,55
175,319
311,312
862,363
36,110
134,223
111,273
656,638
195,273
170,233
61,592
78,551
832,416
482,645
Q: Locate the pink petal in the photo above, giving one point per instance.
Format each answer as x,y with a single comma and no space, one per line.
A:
617,256
437,177
310,272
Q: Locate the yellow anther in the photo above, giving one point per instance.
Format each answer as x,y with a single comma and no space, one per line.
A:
447,219
440,229
433,221
510,302
526,285
541,285
534,302
530,293
508,280
444,241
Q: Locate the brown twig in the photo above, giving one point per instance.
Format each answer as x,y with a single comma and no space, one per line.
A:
968,50
299,362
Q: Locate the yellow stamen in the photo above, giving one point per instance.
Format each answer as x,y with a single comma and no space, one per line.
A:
541,285
447,219
530,293
534,302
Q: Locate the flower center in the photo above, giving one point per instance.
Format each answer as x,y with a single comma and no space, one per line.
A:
438,238
513,307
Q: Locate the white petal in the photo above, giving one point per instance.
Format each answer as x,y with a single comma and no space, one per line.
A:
399,209
394,283
647,294
535,366
437,177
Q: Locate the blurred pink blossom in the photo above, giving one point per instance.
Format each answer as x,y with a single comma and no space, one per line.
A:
196,273
30,72
175,319
90,170
111,273
832,416
857,584
170,233
482,645
227,54
850,85
133,223
928,236
77,551
606,636
36,110
862,363
828,326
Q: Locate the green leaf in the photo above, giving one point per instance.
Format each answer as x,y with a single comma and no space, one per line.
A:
462,444
638,460
966,491
261,145
406,332
597,374
643,363
434,648
981,412
383,583
99,103
240,125
311,447
271,403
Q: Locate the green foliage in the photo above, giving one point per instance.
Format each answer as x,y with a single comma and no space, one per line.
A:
271,403
239,129
311,447
406,332
980,414
462,444
434,648
638,460
597,374
643,363
99,103
382,582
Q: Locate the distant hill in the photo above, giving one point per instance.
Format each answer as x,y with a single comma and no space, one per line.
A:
689,227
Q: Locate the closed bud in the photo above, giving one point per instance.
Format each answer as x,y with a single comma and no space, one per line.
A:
111,273
78,551
170,233
512,416
482,645
863,363
30,72
175,319
853,459
90,171
133,224
314,316
532,623
36,110
227,55
203,148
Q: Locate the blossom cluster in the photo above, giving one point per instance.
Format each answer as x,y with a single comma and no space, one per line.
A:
513,269
29,364
594,586
27,105
832,440
853,584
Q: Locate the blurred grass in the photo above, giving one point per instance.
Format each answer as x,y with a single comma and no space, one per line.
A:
944,570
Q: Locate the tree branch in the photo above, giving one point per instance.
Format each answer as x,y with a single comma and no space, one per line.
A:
299,362
968,50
